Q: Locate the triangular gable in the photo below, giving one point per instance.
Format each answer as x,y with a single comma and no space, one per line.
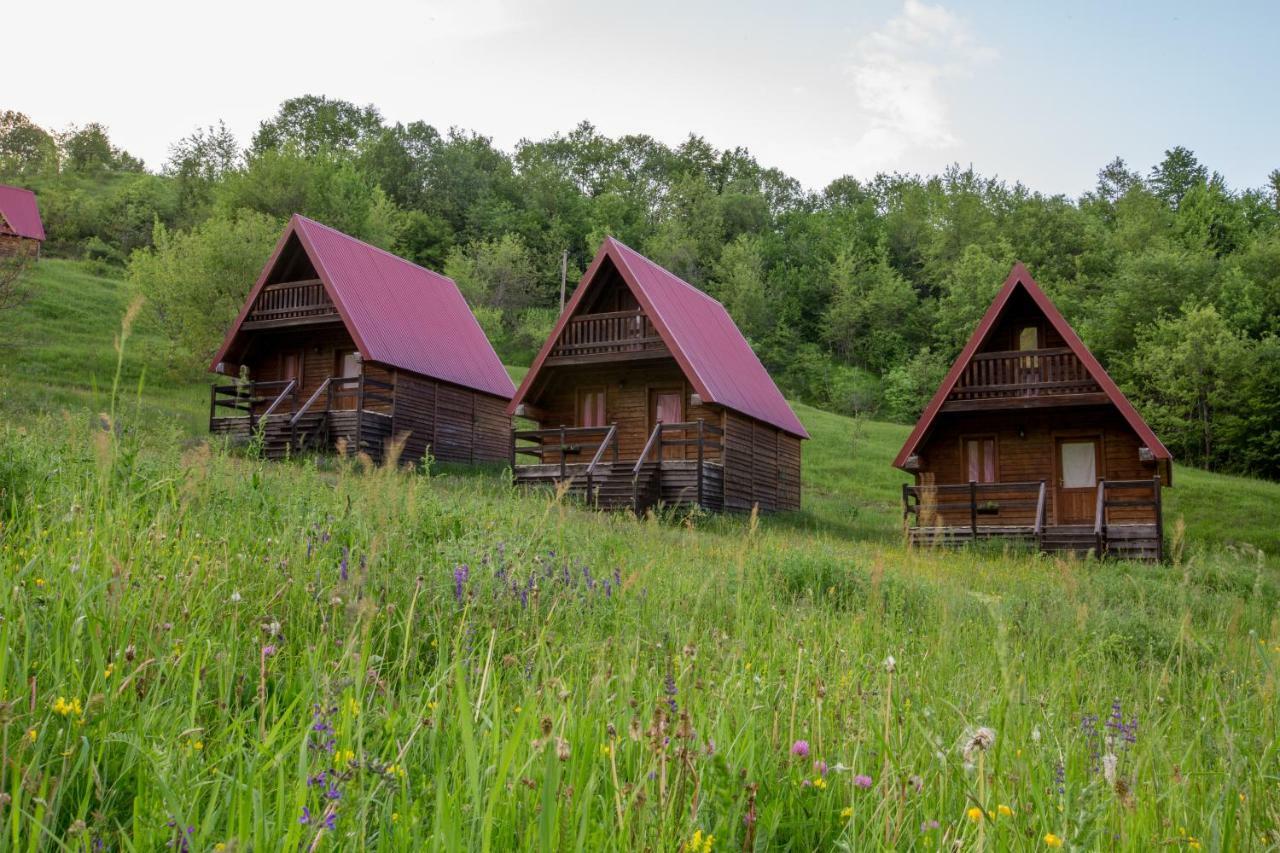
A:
1020,278
698,331
396,312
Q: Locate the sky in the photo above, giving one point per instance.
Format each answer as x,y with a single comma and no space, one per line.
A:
1042,93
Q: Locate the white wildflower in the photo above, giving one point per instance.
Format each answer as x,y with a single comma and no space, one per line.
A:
979,740
890,665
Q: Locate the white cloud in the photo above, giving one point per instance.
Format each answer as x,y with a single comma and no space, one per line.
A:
897,74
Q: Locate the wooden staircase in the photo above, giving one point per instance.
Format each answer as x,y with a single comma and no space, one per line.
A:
1077,539
280,438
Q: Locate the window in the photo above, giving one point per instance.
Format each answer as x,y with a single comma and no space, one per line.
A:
1029,338
980,459
348,363
1079,464
591,407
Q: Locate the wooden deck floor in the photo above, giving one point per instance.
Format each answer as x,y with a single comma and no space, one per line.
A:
1122,541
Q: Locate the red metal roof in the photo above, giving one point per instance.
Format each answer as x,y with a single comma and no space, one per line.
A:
1019,277
397,312
706,343
18,207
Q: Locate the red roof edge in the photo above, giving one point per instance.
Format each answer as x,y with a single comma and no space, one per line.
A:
1019,276
292,228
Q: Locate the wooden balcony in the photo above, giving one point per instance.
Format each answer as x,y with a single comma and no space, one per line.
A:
613,336
1023,379
290,304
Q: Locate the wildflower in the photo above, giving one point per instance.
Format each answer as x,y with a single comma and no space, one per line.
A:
460,575
821,767
197,745
562,749
846,812
1051,840
890,665
353,707
330,821
928,825
395,817
820,783
862,781
669,686
346,756
800,748
1004,811
699,843
974,814
605,750
342,567
32,734
40,582
980,740
106,673
306,816
66,709
235,596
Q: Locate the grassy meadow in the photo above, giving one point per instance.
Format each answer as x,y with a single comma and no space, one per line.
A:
203,651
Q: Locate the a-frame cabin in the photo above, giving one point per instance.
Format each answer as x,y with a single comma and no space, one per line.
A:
646,392
21,231
343,345
1029,438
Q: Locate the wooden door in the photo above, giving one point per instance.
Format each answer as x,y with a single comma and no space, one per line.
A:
667,405
1079,464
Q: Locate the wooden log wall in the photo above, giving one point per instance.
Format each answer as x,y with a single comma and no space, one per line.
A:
11,245
457,424
761,466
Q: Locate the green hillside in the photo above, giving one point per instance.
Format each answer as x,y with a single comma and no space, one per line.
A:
204,649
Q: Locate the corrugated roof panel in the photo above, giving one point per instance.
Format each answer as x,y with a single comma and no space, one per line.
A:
19,209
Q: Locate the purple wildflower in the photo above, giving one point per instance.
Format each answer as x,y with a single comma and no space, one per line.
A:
342,567
928,825
331,821
333,793
460,575
670,688
862,781
800,748
306,816
820,767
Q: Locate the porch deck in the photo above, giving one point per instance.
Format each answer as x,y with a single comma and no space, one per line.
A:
348,414
954,514
611,482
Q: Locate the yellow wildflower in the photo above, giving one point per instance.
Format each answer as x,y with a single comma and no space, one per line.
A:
32,734
395,816
516,710
66,709
1193,842
975,814
699,843
346,756
1051,840
820,783
431,706
353,706
846,812
605,750
221,845
1005,811
39,581
111,668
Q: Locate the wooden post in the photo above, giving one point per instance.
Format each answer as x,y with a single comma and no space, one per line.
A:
973,510
359,409
213,403
700,455
906,505
1155,484
562,465
615,442
1099,520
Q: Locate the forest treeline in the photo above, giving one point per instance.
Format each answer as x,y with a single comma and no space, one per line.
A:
856,297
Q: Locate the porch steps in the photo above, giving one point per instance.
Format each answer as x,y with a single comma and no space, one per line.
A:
1077,539
278,435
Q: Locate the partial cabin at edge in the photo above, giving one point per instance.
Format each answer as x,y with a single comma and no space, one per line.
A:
1029,438
646,392
21,230
343,346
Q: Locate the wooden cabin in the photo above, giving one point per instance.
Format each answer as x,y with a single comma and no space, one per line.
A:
343,346
647,393
1029,438
21,231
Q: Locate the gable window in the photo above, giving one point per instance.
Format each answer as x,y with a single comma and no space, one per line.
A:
980,459
591,407
1029,338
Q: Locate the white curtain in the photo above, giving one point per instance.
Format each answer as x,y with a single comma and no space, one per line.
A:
1079,465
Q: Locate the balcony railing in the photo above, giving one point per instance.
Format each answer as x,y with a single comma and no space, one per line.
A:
280,304
608,334
1052,372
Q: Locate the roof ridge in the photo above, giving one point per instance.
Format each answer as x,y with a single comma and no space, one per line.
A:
669,273
369,245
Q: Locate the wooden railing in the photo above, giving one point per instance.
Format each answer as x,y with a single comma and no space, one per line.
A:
245,398
1104,503
610,440
571,440
977,500
705,436
1023,373
291,301
610,333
